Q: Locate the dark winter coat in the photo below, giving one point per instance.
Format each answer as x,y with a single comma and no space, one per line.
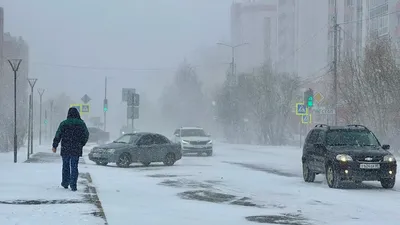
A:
72,133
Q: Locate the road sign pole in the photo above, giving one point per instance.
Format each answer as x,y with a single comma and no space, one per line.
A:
300,132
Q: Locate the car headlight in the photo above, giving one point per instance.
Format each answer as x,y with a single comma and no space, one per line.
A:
111,151
389,158
344,158
209,142
185,142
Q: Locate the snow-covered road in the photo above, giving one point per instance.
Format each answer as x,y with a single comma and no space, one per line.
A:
239,181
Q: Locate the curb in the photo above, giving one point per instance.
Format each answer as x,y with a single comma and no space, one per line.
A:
90,192
92,196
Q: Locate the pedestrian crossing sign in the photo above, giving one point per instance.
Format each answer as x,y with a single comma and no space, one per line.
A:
85,109
306,119
301,109
77,106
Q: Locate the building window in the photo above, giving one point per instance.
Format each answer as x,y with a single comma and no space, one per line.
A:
379,20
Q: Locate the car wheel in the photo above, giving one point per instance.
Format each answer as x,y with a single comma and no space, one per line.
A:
169,159
388,183
210,153
308,175
332,177
124,160
145,163
101,163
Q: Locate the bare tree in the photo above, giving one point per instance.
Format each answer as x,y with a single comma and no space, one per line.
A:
262,102
369,88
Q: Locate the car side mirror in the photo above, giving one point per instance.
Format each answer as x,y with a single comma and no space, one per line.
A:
385,147
208,135
176,135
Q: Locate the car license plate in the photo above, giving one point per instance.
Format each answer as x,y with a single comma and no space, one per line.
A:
370,166
96,155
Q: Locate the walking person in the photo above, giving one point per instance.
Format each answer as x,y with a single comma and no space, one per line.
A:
73,135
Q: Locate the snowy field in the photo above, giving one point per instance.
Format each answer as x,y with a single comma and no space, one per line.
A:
240,184
239,181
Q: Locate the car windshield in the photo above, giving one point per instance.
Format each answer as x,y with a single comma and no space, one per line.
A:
351,137
193,133
126,139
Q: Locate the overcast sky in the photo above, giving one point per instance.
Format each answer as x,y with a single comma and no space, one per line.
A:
155,34
138,43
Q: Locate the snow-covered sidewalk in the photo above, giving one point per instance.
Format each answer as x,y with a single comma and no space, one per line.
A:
31,193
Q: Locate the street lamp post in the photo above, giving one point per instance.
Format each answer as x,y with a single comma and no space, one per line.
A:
15,63
32,82
233,79
233,47
41,92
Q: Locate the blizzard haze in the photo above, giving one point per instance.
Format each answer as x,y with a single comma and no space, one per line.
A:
136,44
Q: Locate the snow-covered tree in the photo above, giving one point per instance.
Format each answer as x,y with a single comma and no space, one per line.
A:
183,102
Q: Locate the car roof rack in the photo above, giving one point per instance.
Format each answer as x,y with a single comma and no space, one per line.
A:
322,125
357,125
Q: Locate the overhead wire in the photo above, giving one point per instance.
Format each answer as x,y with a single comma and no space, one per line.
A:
155,69
307,41
126,69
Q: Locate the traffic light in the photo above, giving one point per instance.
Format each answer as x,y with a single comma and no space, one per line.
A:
45,117
309,98
105,105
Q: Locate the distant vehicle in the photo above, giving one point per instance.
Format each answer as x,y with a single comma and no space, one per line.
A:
193,140
137,147
347,153
98,136
127,130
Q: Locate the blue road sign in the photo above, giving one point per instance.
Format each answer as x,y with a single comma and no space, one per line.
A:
305,119
77,106
301,109
85,108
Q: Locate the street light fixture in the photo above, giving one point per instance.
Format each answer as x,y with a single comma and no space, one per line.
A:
15,63
233,47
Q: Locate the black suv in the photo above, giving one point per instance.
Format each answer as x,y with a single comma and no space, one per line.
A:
347,153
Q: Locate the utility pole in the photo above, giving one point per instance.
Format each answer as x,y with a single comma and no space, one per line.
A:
32,82
41,92
105,104
15,63
335,56
133,93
